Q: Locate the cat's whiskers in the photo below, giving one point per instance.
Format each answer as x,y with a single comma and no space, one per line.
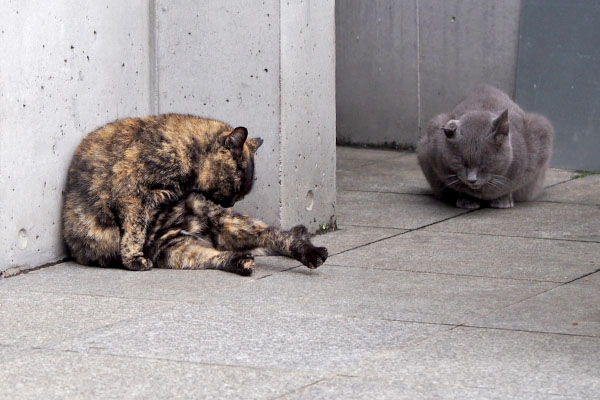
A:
493,184
501,180
498,182
451,181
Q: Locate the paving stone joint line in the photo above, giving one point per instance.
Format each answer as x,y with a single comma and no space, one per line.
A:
449,273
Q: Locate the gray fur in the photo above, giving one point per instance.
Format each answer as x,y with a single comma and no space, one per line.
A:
489,140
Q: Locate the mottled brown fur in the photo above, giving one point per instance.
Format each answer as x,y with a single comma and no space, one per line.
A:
149,190
197,233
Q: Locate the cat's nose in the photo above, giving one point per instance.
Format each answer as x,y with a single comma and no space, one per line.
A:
472,177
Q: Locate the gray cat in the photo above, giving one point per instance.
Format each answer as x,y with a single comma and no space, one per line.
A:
486,150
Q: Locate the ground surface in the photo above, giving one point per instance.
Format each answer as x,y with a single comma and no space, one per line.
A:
418,300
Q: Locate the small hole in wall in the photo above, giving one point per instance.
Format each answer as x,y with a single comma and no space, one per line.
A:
22,239
453,19
309,200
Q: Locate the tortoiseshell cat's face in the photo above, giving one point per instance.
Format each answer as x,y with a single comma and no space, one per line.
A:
229,170
477,150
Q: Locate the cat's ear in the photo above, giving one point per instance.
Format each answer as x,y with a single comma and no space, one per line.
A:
450,128
254,144
500,126
235,140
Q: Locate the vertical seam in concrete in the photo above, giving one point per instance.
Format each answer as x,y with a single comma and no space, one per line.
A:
516,64
280,136
153,84
418,72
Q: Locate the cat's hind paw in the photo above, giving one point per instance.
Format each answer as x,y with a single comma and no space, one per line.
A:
467,204
503,202
312,256
242,264
138,263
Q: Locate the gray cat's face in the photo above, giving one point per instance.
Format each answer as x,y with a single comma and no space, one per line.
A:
477,150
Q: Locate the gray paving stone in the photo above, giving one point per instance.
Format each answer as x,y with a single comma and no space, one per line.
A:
8,353
348,237
537,219
400,174
388,210
34,318
350,388
581,191
268,265
348,158
593,279
571,309
5,351
542,365
156,284
377,321
555,176
382,294
249,336
58,375
480,255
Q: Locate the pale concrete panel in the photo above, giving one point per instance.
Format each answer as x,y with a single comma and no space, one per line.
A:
567,309
377,97
251,334
464,43
65,70
220,59
67,375
519,365
562,221
307,113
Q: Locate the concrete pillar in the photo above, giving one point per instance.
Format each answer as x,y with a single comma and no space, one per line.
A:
63,72
269,66
308,120
66,70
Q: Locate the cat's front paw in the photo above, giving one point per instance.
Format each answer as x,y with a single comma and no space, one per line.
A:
242,264
138,263
467,204
503,202
311,256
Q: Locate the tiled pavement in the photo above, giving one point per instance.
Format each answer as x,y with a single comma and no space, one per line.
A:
418,300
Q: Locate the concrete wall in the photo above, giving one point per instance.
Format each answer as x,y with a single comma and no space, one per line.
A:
205,68
62,73
401,62
266,65
558,76
278,82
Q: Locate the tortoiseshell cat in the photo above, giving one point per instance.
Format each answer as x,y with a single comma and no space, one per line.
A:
145,191
486,149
